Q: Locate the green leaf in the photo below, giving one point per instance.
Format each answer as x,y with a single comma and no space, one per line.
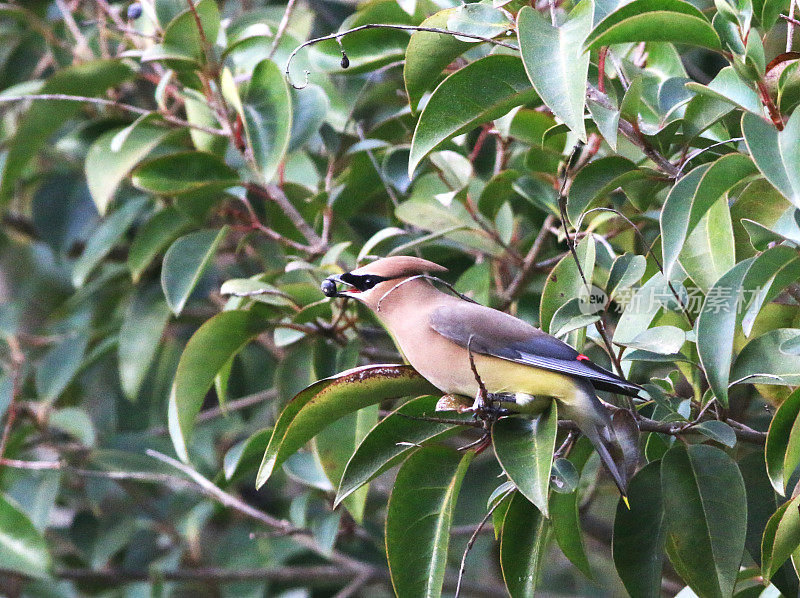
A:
522,546
208,351
329,399
498,79
428,54
245,455
109,232
639,533
665,340
555,61
777,154
524,448
626,271
596,180
106,168
144,321
266,113
22,547
153,237
564,510
45,117
393,438
654,21
716,325
564,282
183,173
717,431
727,87
75,422
781,537
185,262
706,528
693,196
419,516
769,359
309,107
782,451
335,445
574,314
708,252
183,38
60,364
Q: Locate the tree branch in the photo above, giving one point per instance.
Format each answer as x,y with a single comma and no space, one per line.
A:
104,102
341,34
631,133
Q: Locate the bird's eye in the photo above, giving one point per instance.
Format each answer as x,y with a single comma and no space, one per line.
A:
370,281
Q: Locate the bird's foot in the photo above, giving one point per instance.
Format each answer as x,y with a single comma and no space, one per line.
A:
484,409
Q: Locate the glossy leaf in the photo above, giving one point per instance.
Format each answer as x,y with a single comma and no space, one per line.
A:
782,451
781,537
418,519
266,112
501,82
564,282
185,262
207,352
596,180
428,54
184,172
524,448
654,21
393,438
555,61
327,400
139,336
523,541
715,329
44,117
336,443
705,528
153,237
693,196
108,234
22,548
776,153
769,359
639,533
107,167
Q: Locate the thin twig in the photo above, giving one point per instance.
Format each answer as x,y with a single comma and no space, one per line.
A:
341,34
111,103
135,476
276,194
280,525
790,23
462,569
287,14
230,407
528,264
81,45
791,20
629,131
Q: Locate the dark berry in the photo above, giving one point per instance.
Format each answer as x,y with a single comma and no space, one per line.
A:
134,11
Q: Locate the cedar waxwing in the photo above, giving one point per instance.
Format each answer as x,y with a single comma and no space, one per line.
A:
442,336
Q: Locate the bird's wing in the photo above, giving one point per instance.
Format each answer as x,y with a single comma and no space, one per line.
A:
500,335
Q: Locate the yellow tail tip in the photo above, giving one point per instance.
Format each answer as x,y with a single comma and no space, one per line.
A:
625,500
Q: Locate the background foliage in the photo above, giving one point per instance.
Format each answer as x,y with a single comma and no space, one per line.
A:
173,192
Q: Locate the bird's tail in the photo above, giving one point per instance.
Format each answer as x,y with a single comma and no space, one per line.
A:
611,452
615,439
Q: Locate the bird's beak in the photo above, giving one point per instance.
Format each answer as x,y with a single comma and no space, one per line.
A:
330,289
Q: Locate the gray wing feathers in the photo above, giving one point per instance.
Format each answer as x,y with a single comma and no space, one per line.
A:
500,335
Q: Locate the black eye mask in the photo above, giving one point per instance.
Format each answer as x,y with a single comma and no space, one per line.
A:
358,282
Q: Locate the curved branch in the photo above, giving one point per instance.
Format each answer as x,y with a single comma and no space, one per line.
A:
341,34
